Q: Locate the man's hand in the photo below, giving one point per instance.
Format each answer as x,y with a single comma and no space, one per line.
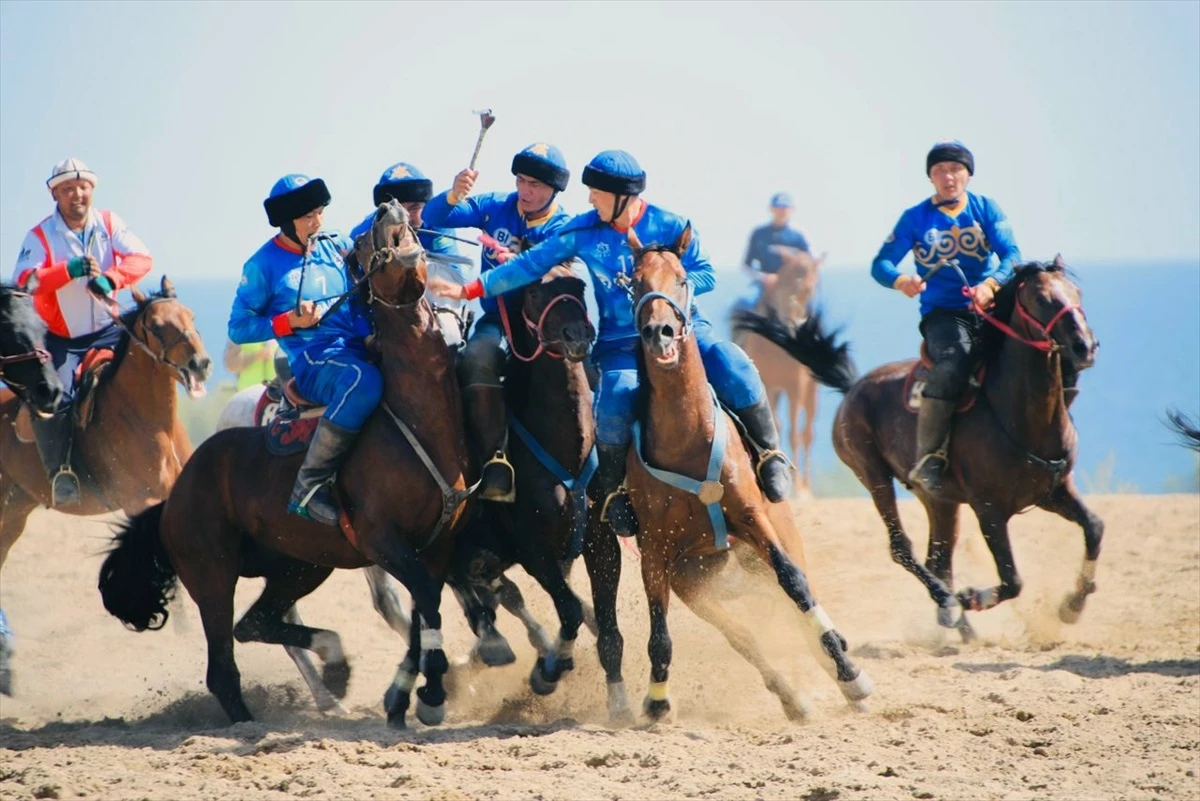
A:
307,317
446,289
463,182
768,280
101,286
910,285
984,294
83,267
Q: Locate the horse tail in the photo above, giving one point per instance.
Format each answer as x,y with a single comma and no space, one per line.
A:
827,359
137,580
1187,429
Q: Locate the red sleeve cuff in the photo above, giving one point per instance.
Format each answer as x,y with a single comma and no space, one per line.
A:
280,325
475,289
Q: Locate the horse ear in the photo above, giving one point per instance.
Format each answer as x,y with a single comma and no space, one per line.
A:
137,295
1059,264
168,289
685,239
635,244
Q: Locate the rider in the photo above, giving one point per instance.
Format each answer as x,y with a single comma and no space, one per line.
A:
599,238
286,290
964,229
763,259
516,220
66,261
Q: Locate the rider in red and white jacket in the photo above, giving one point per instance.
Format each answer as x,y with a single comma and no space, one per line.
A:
66,261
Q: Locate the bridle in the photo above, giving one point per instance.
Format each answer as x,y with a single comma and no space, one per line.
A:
684,312
37,352
538,329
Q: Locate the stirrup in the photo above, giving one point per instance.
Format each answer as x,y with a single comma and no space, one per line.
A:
940,455
765,456
612,496
501,458
66,470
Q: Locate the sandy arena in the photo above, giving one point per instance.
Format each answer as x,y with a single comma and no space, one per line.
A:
1106,709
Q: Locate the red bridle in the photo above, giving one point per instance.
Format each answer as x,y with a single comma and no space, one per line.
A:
1045,345
535,328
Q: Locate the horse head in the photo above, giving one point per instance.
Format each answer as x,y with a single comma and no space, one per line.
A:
165,328
392,258
662,297
795,284
25,364
556,315
1045,308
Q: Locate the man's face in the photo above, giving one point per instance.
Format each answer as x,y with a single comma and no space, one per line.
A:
414,212
780,215
74,198
309,224
949,179
532,194
603,202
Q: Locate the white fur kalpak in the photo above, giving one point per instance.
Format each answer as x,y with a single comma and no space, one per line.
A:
70,169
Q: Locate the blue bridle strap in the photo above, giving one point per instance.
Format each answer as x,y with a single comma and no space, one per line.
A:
685,316
576,486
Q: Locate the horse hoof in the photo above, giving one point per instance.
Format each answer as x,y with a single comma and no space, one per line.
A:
858,687
430,715
948,615
336,678
396,721
539,682
1070,610
333,708
392,698
494,651
796,711
966,631
658,710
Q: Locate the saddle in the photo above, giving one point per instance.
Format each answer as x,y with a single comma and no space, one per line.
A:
918,377
91,370
293,420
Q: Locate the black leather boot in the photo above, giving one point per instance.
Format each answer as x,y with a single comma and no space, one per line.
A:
933,437
311,495
773,468
54,437
617,510
488,421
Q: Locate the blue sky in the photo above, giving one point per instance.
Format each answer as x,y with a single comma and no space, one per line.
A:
1084,117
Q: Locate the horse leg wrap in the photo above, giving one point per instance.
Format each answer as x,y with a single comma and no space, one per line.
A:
854,683
1072,606
950,613
328,646
1087,577
618,704
658,691
431,639
979,600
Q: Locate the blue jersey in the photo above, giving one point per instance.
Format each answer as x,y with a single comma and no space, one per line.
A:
760,255
271,281
969,231
496,215
606,252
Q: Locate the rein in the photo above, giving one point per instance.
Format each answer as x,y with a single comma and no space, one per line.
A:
536,329
143,341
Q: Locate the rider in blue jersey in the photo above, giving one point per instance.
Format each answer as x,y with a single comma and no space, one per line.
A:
288,291
600,239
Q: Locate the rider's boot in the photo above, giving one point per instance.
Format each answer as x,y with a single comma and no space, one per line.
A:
616,509
772,466
933,439
54,436
489,423
312,496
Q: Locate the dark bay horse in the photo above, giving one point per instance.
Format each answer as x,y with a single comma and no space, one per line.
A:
133,446
552,445
403,488
1013,449
26,371
788,300
679,534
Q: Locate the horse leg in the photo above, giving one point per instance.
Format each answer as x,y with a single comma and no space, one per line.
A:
688,586
550,667
878,481
510,597
602,558
396,697
15,506
656,579
479,606
943,537
289,580
795,443
324,699
386,599
1065,502
994,526
211,583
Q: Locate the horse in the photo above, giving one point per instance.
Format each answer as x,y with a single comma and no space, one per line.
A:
403,500
27,372
685,435
552,447
1012,449
130,444
788,299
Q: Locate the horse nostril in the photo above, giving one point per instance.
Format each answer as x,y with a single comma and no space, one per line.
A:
204,365
648,333
668,332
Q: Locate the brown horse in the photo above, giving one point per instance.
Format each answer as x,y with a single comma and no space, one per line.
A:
1014,448
402,492
681,531
133,446
788,299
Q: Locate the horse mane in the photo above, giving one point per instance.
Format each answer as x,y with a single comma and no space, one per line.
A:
16,315
992,338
